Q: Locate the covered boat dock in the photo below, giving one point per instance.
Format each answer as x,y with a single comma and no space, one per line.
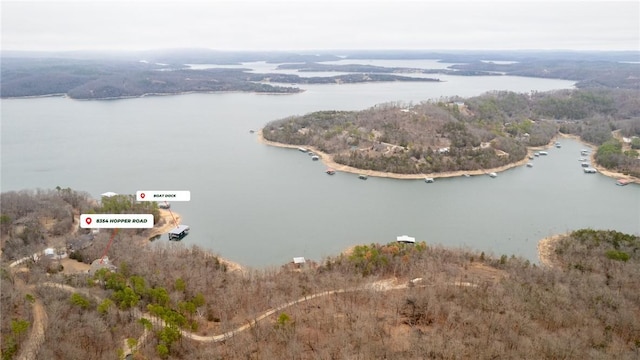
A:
178,232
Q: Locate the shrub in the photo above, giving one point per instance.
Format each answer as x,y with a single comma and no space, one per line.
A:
617,255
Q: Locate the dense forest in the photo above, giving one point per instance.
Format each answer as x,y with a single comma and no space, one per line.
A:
396,300
482,132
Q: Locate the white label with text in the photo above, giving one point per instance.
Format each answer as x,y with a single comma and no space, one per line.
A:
112,221
156,195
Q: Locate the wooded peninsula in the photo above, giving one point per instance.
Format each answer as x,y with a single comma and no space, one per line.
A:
479,133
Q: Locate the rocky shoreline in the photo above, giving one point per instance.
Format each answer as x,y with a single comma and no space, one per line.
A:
327,159
547,251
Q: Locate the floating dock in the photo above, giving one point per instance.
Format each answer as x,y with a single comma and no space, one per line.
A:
179,232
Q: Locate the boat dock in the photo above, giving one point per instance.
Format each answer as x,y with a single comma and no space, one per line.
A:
179,232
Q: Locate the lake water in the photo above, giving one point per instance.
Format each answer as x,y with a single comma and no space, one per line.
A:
261,205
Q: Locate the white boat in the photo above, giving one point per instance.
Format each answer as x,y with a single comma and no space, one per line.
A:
315,158
164,205
590,170
623,182
362,177
529,165
544,153
493,174
584,164
428,180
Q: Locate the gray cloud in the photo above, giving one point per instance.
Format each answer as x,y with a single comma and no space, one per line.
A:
132,25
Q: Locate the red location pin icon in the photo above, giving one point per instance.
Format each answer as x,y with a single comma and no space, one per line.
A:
88,221
141,195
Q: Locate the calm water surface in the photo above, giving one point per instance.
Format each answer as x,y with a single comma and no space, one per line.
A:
260,205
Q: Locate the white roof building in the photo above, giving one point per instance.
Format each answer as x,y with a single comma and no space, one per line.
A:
406,239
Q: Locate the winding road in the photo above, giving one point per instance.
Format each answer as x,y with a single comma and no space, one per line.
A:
37,335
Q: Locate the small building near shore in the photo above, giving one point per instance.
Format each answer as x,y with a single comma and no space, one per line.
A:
299,262
406,239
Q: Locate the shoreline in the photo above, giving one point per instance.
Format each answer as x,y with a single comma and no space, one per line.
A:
327,160
598,167
168,224
546,251
65,95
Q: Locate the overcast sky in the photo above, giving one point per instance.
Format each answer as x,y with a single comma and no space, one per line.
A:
328,24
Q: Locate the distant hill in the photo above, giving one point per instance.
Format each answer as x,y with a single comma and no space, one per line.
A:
86,75
120,78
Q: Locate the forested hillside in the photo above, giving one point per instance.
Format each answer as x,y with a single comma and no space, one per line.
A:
400,301
587,73
111,79
477,133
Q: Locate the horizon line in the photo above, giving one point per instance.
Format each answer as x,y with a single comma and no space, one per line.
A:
313,50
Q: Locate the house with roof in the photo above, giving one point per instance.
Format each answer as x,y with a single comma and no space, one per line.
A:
406,239
81,242
299,262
